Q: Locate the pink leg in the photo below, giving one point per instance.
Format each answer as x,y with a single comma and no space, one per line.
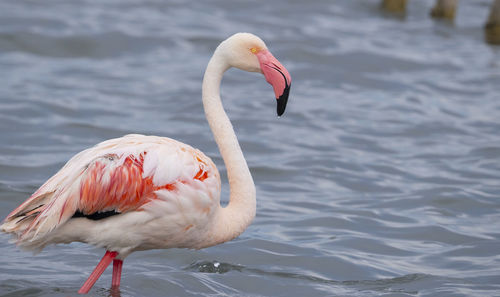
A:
117,273
99,269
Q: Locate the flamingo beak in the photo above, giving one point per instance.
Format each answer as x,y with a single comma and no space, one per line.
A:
277,76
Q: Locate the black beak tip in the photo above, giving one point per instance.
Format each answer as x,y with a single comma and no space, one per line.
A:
282,100
280,109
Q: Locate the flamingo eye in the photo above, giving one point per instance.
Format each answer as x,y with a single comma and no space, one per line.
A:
254,50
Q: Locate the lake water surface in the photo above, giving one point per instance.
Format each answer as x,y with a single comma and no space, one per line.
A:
381,179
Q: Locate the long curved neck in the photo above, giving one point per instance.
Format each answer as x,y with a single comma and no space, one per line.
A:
232,220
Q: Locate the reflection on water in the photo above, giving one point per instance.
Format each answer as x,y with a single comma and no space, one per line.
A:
380,179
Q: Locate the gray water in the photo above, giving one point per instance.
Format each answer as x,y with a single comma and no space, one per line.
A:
381,179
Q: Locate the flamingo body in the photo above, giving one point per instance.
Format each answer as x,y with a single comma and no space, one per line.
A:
166,193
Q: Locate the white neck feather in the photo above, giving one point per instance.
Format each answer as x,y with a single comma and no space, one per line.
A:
232,220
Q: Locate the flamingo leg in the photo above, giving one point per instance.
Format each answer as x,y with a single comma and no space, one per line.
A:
98,270
117,273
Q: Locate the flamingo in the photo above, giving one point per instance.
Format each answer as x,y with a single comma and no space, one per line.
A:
142,192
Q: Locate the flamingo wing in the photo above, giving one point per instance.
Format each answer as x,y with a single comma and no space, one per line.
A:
116,176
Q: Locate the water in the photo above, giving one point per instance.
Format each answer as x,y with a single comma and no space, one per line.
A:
381,179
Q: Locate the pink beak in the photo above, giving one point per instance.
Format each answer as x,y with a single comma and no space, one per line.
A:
277,76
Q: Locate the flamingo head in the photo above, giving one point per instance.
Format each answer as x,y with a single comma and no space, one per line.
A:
248,52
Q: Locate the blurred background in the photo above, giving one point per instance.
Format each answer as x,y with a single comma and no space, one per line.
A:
381,179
